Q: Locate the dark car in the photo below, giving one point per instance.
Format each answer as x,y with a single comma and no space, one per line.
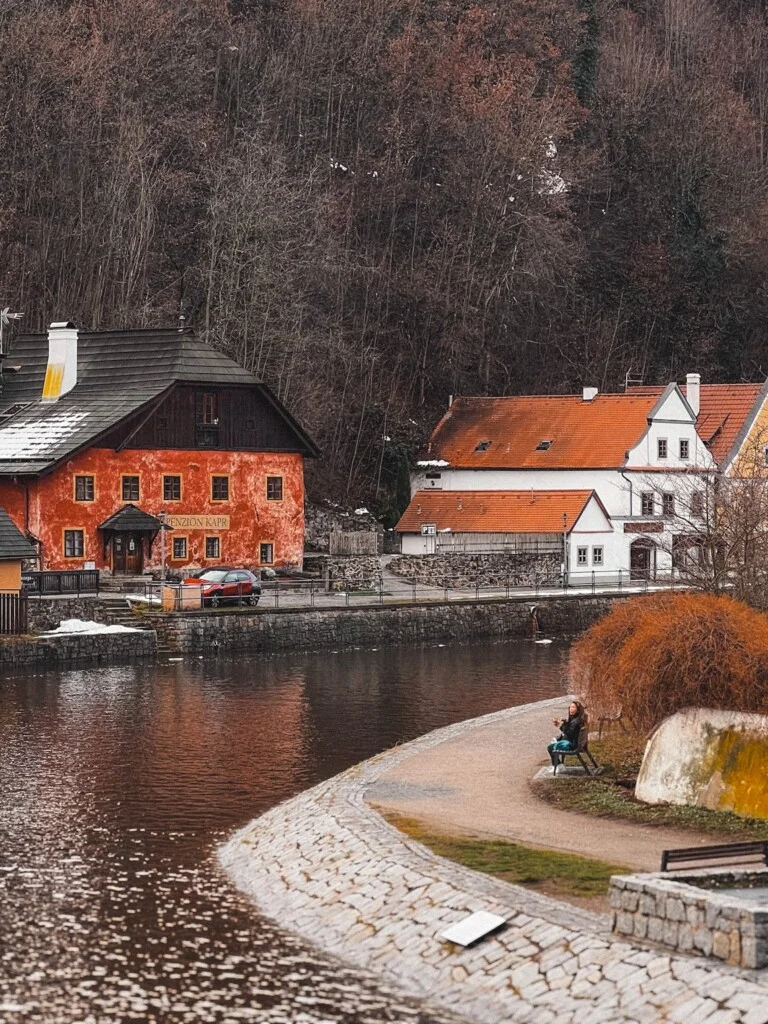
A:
229,586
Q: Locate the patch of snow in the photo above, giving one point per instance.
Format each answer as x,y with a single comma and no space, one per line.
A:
550,149
336,166
386,438
85,627
542,641
143,599
551,184
362,511
430,463
38,437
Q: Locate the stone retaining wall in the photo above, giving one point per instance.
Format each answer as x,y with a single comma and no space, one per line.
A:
455,569
327,866
55,652
47,613
675,913
374,625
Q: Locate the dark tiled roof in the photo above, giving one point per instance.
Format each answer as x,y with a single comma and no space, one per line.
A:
118,372
131,518
13,543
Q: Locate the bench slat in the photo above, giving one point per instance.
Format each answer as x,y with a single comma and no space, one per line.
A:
729,850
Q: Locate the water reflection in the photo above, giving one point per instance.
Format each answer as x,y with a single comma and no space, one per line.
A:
116,783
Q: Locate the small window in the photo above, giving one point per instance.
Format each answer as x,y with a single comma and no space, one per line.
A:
697,503
83,488
684,447
212,547
597,556
668,504
274,488
171,488
581,556
74,543
543,446
220,488
483,446
179,548
266,554
661,447
434,476
646,502
210,409
130,488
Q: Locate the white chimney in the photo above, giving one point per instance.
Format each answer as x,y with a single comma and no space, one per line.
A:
589,393
693,391
61,373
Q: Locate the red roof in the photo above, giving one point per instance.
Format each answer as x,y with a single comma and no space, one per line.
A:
505,433
494,511
723,411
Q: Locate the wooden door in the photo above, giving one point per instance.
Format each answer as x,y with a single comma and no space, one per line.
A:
118,552
133,554
641,559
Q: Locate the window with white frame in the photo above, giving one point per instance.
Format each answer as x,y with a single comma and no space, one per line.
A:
685,448
597,555
647,503
661,447
581,556
697,503
668,504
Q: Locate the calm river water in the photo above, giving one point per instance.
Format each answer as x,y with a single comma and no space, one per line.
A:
116,785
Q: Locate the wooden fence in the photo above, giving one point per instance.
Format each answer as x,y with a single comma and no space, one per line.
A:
355,543
13,613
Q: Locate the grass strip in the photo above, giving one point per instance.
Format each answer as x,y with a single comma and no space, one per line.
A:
611,795
556,874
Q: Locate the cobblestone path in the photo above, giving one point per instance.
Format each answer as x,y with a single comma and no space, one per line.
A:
331,869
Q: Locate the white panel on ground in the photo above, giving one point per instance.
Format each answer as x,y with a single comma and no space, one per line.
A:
473,928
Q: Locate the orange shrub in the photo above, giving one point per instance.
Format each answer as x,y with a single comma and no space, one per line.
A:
652,656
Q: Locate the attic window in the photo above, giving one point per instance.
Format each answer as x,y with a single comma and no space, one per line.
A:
483,446
543,446
12,411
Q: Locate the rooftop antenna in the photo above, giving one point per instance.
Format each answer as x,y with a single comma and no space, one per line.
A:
632,381
5,321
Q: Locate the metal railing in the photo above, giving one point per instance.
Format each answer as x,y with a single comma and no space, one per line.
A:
81,581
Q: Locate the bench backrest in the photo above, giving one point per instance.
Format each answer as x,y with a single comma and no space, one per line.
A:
583,741
727,851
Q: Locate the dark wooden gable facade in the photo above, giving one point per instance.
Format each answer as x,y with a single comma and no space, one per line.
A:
235,418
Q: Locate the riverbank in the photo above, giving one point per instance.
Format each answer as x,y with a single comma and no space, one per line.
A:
330,868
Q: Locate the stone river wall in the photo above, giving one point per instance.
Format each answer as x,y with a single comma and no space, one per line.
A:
59,651
459,569
327,866
379,625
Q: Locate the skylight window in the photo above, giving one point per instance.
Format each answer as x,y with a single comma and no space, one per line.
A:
483,446
543,446
12,411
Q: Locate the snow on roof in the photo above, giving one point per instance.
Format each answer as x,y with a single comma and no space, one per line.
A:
36,437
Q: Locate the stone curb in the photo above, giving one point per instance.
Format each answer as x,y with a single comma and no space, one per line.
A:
326,865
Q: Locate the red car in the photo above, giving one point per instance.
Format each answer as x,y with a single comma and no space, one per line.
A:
231,586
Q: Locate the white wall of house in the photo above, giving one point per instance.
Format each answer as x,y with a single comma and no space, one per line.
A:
620,490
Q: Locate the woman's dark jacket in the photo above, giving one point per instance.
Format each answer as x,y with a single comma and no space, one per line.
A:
571,728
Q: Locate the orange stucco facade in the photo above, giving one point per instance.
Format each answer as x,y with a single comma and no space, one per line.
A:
246,523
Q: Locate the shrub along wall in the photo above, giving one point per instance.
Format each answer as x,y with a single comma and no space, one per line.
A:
455,569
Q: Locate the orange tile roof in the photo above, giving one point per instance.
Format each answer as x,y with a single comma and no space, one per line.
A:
584,435
494,511
724,409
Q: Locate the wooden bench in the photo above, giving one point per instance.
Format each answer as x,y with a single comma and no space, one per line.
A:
727,851
581,752
609,719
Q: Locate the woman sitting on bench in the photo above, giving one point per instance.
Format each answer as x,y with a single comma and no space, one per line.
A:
570,728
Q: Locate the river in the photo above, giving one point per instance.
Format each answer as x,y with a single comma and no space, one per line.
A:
116,785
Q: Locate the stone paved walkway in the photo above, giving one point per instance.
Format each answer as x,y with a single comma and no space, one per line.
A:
329,867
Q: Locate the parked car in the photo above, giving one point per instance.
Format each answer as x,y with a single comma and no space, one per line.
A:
229,586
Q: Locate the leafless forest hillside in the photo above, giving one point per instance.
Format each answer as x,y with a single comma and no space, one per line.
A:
377,204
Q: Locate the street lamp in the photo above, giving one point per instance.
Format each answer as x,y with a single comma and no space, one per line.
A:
565,550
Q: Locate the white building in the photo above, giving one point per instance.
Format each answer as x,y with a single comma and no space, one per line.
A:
640,453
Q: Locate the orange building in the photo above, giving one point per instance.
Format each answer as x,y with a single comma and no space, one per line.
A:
105,435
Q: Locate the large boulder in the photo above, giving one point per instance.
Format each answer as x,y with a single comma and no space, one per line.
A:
707,758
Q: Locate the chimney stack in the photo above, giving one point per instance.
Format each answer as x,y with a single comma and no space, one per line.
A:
61,373
589,393
693,391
